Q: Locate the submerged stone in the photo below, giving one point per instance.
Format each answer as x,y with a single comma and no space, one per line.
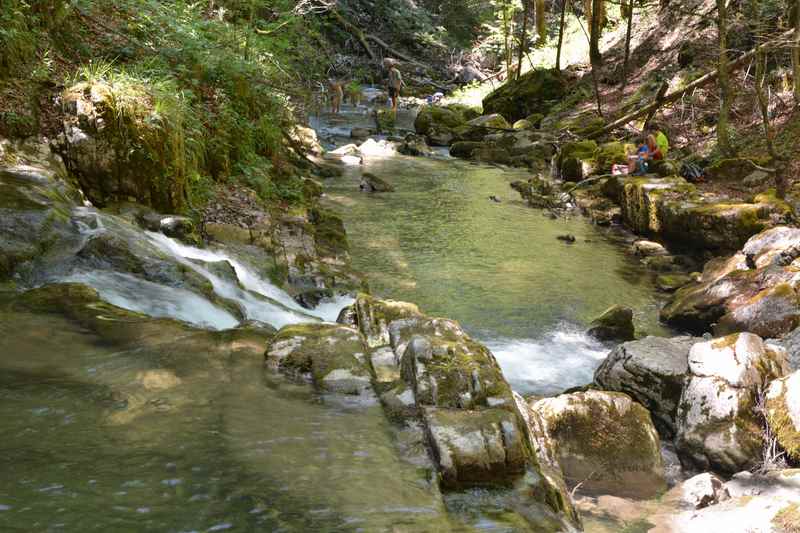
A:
615,324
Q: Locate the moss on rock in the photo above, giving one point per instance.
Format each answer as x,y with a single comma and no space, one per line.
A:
536,91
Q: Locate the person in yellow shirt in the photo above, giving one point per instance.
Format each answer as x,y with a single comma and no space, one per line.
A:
661,141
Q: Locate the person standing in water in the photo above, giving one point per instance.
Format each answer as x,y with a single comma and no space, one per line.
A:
395,82
337,95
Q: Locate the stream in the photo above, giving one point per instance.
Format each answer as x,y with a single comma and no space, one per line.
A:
498,268
165,434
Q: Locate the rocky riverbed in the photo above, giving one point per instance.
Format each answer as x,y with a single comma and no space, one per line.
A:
234,372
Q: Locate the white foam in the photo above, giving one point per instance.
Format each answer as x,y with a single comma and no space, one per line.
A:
562,359
260,299
152,299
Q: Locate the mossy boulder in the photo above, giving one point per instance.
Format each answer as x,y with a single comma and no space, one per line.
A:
653,371
471,448
464,149
718,427
523,124
753,290
119,151
604,441
35,225
536,91
610,154
673,210
733,170
330,356
672,282
428,369
664,168
478,128
576,160
783,413
440,125
615,324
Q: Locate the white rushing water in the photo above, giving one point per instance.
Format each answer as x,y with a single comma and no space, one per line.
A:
257,298
564,358
129,292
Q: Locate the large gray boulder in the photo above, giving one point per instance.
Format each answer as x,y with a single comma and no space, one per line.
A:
603,441
332,357
718,427
755,290
653,371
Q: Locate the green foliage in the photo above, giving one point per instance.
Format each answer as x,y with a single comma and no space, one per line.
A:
200,93
22,24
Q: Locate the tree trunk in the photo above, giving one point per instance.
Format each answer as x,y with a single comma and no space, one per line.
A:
628,32
594,33
723,133
763,103
561,34
523,41
796,52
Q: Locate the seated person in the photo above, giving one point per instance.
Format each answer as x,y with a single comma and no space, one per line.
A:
647,151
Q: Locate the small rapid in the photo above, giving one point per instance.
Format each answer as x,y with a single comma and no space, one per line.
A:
231,281
496,266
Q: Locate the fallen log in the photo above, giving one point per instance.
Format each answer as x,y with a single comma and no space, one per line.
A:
654,106
394,52
354,31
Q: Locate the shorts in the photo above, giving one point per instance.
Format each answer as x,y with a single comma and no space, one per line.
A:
393,92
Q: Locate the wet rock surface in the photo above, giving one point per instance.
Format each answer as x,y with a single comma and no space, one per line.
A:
749,291
653,371
615,324
603,441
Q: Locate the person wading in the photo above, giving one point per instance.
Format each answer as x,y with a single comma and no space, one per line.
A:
395,82
337,95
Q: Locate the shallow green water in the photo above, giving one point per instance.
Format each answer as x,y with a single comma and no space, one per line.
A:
439,241
189,435
88,447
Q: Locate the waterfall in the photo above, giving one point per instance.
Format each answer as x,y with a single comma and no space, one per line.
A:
256,298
